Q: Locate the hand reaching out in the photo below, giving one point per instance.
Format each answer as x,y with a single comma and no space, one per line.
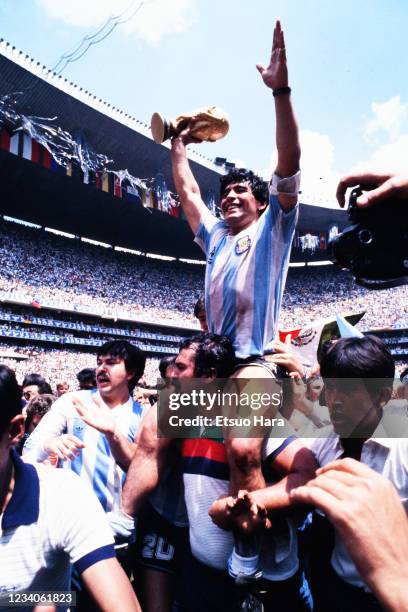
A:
387,186
96,414
371,521
241,512
275,75
285,356
64,447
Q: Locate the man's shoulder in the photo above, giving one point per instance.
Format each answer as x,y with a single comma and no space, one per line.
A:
323,444
219,228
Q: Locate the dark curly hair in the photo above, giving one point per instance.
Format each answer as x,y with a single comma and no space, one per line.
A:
258,186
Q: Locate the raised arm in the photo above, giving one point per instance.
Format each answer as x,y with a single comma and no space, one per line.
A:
275,76
186,185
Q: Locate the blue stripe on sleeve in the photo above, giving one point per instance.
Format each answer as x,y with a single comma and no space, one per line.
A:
271,458
203,237
101,473
104,552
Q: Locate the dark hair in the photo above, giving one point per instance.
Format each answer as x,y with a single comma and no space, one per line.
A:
403,374
86,378
165,362
363,358
39,381
258,186
324,348
133,357
10,397
199,307
38,405
213,353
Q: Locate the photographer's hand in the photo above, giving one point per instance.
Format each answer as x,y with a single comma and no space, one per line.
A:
388,186
371,521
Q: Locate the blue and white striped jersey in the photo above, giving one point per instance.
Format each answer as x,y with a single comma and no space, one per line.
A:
245,277
95,463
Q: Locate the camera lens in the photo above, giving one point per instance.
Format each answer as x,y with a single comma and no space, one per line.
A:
365,236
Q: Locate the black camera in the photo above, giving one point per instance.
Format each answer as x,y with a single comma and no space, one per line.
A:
375,247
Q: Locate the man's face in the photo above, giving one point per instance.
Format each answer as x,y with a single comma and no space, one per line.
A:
239,207
30,391
111,374
184,364
352,408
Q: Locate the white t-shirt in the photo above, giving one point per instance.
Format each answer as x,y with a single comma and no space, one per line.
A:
386,456
206,477
52,520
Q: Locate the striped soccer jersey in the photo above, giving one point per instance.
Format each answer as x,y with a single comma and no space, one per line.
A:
245,277
206,477
95,462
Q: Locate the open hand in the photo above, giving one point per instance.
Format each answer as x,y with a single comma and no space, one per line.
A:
276,74
96,414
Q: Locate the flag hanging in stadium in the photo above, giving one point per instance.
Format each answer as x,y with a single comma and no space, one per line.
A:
4,139
159,197
131,193
117,187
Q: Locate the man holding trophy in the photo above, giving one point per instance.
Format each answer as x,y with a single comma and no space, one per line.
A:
247,260
247,252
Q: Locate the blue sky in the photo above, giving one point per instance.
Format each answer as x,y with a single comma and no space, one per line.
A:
347,68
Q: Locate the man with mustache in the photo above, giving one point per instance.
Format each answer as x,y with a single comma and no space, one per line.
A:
93,432
43,532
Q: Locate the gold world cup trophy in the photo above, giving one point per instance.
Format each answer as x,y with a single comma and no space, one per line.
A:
210,124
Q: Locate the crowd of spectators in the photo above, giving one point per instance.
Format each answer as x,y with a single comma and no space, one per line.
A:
318,292
80,275
45,267
57,365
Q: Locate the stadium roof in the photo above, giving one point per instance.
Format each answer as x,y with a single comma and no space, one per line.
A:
35,194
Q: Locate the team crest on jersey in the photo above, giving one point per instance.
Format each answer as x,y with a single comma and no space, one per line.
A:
243,245
305,337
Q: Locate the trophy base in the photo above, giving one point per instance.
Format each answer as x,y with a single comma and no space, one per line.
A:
160,128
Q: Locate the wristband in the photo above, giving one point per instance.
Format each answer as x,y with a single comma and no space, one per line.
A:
281,91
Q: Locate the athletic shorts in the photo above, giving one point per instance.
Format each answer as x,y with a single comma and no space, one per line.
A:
160,545
273,370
